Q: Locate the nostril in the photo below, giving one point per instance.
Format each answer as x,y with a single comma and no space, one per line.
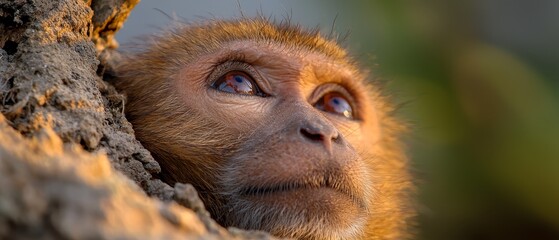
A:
311,136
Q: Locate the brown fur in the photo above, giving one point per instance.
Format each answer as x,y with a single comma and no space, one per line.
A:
222,143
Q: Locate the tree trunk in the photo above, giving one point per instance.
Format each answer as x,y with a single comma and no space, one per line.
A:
70,165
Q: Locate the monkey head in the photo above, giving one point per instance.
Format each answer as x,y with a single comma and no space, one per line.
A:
277,128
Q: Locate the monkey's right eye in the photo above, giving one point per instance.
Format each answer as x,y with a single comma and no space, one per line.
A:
237,82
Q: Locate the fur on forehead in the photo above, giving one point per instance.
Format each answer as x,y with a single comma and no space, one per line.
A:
207,36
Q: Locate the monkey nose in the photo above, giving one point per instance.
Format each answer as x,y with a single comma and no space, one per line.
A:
324,135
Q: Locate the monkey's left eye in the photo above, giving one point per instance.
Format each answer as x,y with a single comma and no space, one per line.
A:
237,82
336,103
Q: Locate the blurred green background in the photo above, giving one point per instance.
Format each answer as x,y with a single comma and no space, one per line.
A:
479,80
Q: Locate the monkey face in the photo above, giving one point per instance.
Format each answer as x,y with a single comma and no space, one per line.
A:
300,120
277,130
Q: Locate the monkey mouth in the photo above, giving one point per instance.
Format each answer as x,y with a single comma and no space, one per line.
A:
304,186
260,191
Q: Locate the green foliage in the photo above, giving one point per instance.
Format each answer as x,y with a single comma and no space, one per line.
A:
485,114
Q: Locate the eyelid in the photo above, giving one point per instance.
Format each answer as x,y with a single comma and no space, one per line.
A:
231,57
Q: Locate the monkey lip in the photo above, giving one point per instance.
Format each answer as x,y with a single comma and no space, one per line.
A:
303,191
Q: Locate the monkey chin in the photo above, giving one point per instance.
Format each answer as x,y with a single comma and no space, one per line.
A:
321,213
302,212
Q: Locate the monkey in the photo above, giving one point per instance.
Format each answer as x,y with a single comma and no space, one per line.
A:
277,127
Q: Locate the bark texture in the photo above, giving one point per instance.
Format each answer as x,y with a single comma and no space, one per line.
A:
70,166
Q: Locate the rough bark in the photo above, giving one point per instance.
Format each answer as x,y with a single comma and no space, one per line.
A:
70,165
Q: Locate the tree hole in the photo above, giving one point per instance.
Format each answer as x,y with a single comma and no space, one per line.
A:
10,47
